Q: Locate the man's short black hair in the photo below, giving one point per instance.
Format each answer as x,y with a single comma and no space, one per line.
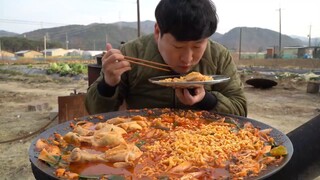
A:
187,20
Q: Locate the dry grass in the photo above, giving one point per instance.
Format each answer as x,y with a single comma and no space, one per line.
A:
311,64
31,61
280,63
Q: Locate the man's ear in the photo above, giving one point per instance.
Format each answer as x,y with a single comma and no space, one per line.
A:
157,32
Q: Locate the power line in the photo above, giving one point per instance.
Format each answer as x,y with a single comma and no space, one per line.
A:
119,1
18,21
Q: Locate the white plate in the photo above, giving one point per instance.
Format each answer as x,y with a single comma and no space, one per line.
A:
188,84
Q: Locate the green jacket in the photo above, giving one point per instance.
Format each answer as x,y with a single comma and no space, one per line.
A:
139,93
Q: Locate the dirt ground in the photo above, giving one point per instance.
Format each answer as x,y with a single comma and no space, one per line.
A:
285,107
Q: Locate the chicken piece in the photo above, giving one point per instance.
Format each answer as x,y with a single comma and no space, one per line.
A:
99,139
82,131
106,135
72,138
138,118
109,127
130,126
78,155
41,144
122,153
143,124
117,120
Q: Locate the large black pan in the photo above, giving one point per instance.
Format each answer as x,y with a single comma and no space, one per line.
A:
43,171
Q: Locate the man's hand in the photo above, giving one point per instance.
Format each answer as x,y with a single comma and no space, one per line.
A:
187,98
113,66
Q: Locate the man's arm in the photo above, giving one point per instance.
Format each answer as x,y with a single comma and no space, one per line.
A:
230,95
101,98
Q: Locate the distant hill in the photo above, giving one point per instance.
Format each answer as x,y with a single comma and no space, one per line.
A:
7,34
90,37
216,36
146,27
255,39
14,44
93,36
313,41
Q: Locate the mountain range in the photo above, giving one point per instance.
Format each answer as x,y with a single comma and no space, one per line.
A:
94,36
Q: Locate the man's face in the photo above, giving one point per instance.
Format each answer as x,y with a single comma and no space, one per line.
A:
182,56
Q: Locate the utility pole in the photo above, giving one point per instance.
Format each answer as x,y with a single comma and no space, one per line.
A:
138,14
240,43
279,53
309,36
0,50
67,42
45,47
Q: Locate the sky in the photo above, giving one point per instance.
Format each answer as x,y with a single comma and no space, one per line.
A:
298,17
